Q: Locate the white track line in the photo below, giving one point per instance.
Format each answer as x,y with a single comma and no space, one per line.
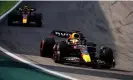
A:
10,10
36,66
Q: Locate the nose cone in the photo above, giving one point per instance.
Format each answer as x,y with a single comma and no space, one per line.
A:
86,57
24,20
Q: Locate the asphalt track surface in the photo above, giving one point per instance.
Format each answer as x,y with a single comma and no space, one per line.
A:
105,23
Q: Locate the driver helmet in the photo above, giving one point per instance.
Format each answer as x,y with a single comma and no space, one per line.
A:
26,9
74,38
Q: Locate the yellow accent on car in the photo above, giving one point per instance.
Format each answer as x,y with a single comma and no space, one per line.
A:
73,35
86,58
74,41
24,20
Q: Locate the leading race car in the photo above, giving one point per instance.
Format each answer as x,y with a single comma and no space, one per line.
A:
76,49
25,16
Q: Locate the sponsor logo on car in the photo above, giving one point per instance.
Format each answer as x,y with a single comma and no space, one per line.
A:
61,34
72,58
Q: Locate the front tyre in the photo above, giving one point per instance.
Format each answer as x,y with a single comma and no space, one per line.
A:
106,59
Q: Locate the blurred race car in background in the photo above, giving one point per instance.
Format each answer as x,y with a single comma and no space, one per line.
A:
76,49
25,17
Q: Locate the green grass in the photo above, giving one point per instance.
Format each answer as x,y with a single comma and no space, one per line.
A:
6,5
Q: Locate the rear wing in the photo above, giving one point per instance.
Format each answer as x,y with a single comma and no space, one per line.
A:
62,34
65,34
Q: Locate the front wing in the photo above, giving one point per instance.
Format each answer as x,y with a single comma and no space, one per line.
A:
74,60
24,22
77,60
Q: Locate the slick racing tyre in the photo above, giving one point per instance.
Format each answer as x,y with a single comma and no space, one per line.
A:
9,22
64,49
106,58
39,23
106,55
46,47
11,16
61,53
38,19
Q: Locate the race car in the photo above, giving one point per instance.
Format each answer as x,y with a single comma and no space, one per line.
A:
76,49
25,16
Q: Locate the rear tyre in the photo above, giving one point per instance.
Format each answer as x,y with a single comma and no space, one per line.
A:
38,19
10,20
10,23
46,47
39,23
14,16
